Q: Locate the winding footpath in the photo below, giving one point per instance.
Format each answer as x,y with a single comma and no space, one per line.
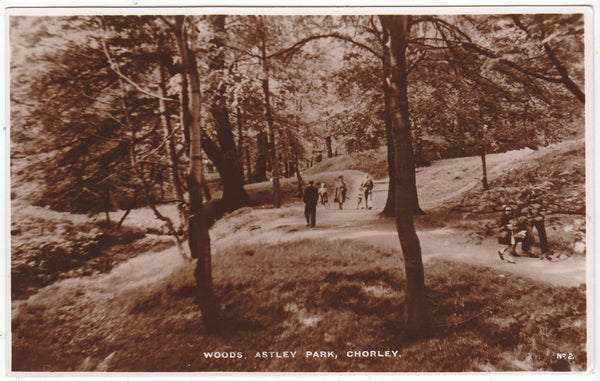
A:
442,243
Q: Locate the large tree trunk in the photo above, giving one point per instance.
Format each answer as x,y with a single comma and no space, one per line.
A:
224,156
390,208
390,205
199,239
416,312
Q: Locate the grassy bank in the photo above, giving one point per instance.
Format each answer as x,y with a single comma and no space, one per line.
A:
316,295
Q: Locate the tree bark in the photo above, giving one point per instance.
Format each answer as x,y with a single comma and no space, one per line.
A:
416,311
171,141
199,239
390,209
225,155
328,145
484,179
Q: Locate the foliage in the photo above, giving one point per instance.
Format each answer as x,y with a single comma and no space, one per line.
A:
465,72
555,175
47,247
459,86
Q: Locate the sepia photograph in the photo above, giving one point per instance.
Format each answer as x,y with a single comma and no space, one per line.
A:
312,190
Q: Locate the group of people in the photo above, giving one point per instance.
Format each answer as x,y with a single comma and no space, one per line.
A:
314,196
516,226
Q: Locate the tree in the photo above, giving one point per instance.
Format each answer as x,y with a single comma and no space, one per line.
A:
199,239
265,40
544,47
269,114
224,156
377,45
416,312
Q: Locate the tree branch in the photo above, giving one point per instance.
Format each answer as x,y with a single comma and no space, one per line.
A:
304,41
566,79
115,68
415,63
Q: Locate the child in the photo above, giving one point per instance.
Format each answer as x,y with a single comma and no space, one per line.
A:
508,227
361,192
323,195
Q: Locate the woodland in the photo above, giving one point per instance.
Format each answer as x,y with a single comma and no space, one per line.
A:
122,112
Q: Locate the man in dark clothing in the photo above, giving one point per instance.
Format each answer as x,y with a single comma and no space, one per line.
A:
533,209
311,197
536,216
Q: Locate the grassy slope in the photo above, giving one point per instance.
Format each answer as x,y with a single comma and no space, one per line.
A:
309,295
555,173
372,162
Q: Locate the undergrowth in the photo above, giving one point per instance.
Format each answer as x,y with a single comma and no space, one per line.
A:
46,248
556,178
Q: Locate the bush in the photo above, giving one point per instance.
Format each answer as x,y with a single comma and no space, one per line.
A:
43,249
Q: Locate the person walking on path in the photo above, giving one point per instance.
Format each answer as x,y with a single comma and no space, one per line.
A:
536,218
360,195
533,211
367,185
507,234
525,233
340,191
323,198
311,198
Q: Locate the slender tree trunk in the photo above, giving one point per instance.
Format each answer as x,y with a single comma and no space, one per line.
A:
199,239
171,141
328,145
248,166
270,128
416,312
389,209
482,142
107,204
420,159
484,179
120,223
240,144
262,148
298,176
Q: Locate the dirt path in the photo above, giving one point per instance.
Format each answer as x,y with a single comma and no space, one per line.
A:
445,243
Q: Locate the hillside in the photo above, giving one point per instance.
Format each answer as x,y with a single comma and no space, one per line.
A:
105,294
373,162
